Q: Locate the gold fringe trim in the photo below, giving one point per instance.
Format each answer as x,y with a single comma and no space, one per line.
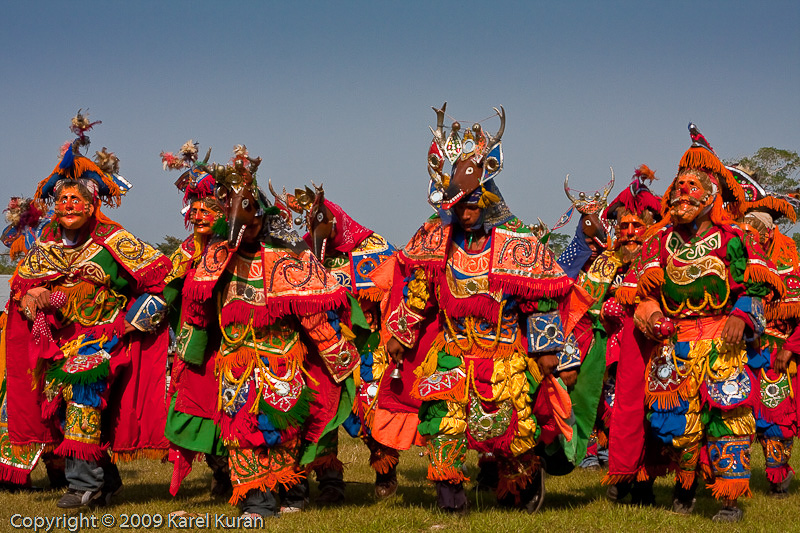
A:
144,453
244,356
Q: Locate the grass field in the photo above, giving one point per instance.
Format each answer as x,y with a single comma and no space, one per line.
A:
573,503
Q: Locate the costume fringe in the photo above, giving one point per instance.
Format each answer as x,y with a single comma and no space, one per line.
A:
613,479
81,450
651,280
602,439
722,214
782,310
758,273
626,295
86,377
25,449
450,474
703,159
784,411
778,474
667,400
279,306
456,394
17,248
384,460
81,165
286,477
531,289
329,461
293,417
730,489
244,356
778,205
13,475
157,454
506,486
685,478
479,305
784,250
373,294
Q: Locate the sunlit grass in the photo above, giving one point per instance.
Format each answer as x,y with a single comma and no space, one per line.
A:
574,503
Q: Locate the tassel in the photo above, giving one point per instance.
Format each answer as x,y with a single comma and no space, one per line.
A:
758,273
778,474
156,454
730,489
384,461
613,479
449,474
626,295
685,478
329,461
285,477
650,280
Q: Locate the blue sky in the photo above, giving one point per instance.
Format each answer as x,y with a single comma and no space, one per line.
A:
341,92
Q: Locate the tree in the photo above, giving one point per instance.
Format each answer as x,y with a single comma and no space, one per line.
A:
169,245
7,266
557,242
775,169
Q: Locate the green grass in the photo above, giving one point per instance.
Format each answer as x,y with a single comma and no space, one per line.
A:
573,503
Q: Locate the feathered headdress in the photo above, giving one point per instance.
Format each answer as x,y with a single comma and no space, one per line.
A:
636,197
196,182
75,166
22,214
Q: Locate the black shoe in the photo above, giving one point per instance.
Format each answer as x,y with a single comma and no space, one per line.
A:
488,476
73,498
780,490
642,493
330,496
451,498
683,500
728,514
386,484
533,494
617,492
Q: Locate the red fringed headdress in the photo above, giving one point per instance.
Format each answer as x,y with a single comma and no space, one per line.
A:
700,156
637,197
